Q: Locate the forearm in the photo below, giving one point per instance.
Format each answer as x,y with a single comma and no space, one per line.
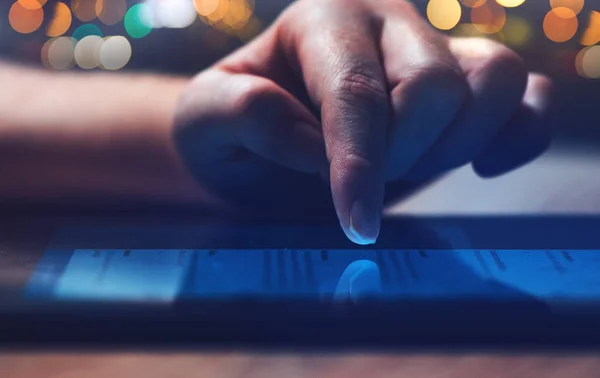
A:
100,136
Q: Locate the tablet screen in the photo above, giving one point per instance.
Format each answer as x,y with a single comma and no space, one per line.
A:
449,268
165,275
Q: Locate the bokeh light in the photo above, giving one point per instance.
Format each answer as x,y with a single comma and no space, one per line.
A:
61,21
57,53
171,14
110,11
32,4
444,14
510,3
579,62
591,36
138,21
517,31
575,5
44,52
84,10
252,28
206,7
466,30
220,12
86,30
24,20
115,53
488,18
590,62
87,52
472,3
238,14
560,24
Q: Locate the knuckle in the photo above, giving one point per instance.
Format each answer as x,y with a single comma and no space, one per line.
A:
440,85
351,162
360,85
439,79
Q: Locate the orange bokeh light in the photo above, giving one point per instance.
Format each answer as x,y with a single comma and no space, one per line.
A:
61,21
575,5
473,3
206,7
32,4
25,20
111,11
591,36
488,18
560,24
84,10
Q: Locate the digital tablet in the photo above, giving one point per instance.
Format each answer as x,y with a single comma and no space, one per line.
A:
185,281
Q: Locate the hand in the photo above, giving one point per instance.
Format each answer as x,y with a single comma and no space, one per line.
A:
365,94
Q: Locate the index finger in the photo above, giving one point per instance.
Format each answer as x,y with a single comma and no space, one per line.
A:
344,77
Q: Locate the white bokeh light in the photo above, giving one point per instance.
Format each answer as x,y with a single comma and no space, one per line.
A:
87,52
172,13
115,53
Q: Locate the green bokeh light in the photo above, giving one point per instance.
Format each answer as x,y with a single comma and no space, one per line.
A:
86,30
138,21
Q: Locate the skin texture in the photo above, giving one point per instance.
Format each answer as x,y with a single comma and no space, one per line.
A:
372,100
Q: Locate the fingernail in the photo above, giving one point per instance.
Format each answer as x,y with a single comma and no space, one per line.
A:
364,224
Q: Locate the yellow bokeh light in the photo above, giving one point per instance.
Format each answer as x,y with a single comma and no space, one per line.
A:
590,63
517,31
560,24
32,4
206,7
473,3
24,20
444,14
61,21
466,30
488,18
111,11
84,10
575,5
510,3
238,14
591,36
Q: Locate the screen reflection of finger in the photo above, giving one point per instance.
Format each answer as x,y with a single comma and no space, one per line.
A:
359,281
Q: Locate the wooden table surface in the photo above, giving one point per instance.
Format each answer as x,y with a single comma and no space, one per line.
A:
130,365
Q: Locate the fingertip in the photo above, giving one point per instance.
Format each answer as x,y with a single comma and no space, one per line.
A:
358,189
364,223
